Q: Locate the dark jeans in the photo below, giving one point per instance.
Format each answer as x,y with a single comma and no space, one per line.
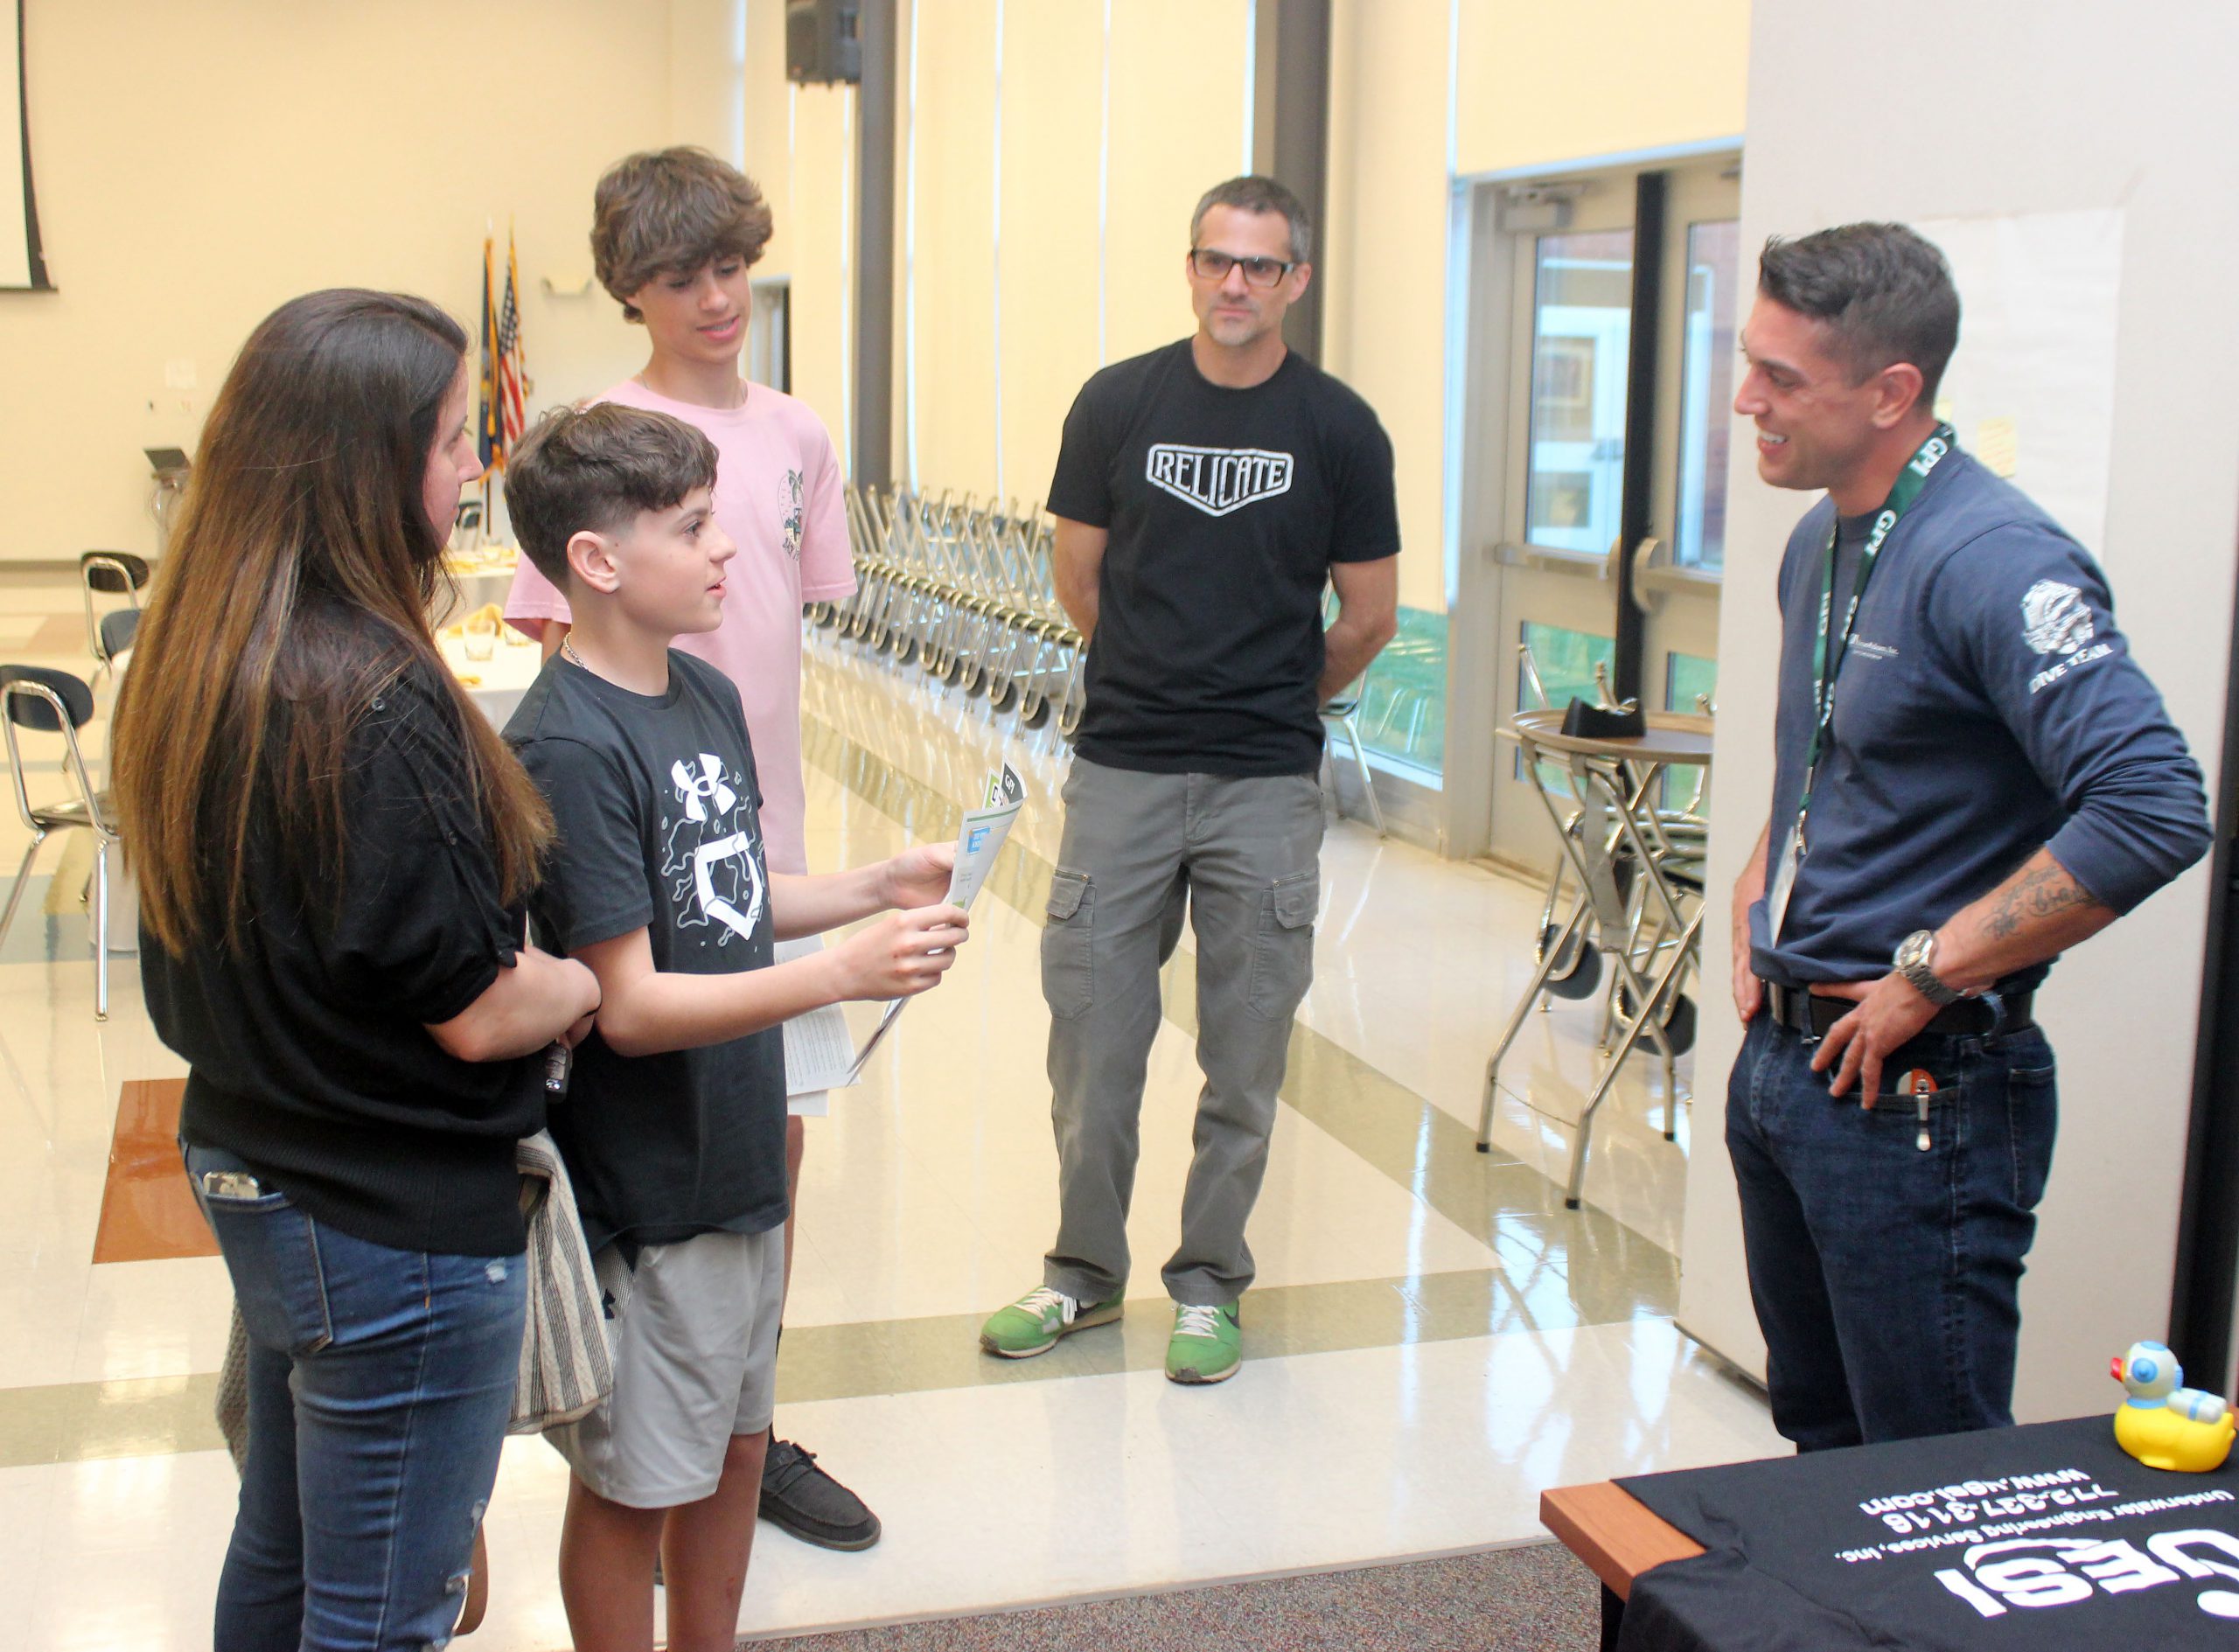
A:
1886,1279
379,1383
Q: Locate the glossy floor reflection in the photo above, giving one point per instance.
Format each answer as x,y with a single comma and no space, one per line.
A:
1433,1339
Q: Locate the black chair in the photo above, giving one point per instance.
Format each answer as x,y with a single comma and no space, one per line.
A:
51,701
110,574
1340,716
117,628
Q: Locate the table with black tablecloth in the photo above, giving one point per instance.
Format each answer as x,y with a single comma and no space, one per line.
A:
2046,1537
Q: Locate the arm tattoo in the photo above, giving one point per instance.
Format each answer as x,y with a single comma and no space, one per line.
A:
2037,893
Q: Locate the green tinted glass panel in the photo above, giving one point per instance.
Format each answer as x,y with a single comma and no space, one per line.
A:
1566,660
1685,677
1689,675
1403,699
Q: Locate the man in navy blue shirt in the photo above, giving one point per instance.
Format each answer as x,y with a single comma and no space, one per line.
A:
1971,775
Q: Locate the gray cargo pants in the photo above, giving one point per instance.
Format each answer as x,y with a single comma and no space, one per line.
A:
1244,853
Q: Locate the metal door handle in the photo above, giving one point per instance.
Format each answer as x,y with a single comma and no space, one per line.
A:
1643,558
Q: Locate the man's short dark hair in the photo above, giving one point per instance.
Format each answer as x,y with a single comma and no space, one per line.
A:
1252,193
1883,290
670,212
595,469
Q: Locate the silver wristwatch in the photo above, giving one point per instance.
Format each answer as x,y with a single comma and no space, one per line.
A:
1915,961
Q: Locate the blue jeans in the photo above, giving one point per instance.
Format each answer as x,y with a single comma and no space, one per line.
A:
380,1384
1887,1280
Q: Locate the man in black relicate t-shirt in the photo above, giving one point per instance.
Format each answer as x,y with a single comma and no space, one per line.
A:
1205,495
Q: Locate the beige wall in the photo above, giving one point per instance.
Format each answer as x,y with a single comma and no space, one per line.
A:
1517,86
798,142
1385,254
198,165
1049,223
1542,84
1038,257
948,334
1178,128
1051,147
815,248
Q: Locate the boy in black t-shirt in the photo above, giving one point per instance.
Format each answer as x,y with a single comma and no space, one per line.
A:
674,1126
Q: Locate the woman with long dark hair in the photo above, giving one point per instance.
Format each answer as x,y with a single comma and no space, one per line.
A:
333,847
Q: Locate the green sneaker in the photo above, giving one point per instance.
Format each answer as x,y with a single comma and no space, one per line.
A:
1207,1345
1033,1324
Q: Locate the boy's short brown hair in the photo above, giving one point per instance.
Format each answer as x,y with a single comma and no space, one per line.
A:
596,468
670,211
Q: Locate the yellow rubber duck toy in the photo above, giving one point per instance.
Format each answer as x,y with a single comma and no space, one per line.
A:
2163,1425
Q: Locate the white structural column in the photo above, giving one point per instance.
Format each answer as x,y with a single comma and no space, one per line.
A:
2026,122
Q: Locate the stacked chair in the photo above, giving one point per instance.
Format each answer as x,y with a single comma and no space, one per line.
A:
967,593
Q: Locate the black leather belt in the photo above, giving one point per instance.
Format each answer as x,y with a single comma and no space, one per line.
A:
1803,1011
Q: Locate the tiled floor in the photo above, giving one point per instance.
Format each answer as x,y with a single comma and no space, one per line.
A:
1434,1338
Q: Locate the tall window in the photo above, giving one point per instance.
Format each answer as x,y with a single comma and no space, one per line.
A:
770,336
1706,395
1581,324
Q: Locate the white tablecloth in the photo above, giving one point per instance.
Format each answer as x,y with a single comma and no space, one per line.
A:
497,683
479,583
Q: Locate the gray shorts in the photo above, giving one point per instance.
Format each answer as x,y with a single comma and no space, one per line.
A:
695,1336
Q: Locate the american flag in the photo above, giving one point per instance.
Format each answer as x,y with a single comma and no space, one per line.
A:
505,376
489,437
512,369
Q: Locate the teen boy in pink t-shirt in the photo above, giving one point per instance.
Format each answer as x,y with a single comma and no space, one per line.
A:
674,233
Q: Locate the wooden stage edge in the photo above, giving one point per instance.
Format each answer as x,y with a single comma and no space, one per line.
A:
1613,1531
148,1211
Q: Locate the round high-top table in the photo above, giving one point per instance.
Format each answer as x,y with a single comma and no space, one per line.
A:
1673,737
1614,781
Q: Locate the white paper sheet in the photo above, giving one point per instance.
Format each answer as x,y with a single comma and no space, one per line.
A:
820,1051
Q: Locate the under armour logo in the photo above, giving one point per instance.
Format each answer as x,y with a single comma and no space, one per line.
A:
707,785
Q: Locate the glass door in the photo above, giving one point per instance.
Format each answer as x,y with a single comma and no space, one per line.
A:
1678,577
1566,252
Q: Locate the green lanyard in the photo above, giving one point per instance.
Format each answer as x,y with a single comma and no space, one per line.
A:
1829,650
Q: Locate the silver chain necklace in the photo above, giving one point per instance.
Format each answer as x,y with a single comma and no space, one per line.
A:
568,647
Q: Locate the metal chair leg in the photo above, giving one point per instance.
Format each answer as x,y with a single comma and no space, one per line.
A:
1649,999
1515,1021
1368,785
100,929
16,890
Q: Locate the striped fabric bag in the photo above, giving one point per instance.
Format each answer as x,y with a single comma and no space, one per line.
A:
566,1367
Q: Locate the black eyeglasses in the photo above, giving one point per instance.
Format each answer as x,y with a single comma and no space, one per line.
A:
1208,265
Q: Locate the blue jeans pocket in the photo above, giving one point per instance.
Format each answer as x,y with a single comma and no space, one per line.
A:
2032,1118
271,1252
